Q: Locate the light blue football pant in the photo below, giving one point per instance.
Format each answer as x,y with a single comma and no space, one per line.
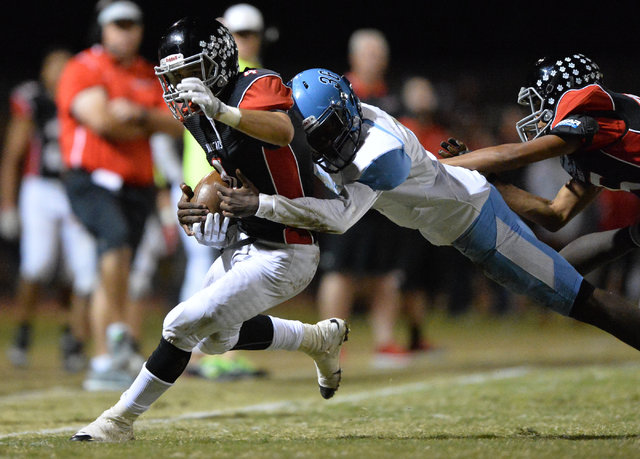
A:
508,252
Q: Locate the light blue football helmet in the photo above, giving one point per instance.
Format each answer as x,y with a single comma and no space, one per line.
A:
331,116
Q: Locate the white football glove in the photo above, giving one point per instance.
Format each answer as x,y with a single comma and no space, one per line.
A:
214,232
194,90
10,224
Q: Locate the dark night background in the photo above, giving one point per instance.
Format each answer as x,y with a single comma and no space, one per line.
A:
446,40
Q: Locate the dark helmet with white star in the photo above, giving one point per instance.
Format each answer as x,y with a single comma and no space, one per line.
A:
195,48
550,78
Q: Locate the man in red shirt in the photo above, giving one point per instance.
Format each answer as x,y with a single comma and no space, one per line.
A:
109,103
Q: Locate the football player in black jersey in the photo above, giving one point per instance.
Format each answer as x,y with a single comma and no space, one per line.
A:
34,206
593,130
240,121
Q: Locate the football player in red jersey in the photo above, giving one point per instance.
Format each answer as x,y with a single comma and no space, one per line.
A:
594,130
240,121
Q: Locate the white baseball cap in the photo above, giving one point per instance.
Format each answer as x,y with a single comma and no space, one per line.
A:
121,10
243,17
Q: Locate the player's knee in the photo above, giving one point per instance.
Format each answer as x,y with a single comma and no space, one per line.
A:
187,324
175,328
219,343
84,283
139,285
39,272
117,238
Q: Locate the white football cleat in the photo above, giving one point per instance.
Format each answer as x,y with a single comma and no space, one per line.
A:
323,342
109,427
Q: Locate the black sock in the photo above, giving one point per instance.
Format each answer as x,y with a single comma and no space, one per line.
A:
415,337
256,334
23,335
167,362
585,292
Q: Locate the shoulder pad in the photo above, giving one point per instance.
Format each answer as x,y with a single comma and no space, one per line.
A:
577,125
592,98
387,171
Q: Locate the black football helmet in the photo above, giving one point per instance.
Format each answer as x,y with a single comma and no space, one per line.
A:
550,79
194,48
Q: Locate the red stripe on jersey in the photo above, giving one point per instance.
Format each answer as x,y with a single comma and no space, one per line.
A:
267,92
285,176
591,98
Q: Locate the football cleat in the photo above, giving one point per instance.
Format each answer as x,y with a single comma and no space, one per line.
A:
323,342
108,380
109,427
73,358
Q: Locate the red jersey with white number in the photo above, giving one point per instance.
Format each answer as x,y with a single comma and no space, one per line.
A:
84,148
287,171
609,125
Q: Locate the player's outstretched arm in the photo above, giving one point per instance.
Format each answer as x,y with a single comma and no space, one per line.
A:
334,215
593,250
511,156
550,214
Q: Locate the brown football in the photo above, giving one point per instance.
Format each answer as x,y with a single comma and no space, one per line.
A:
205,192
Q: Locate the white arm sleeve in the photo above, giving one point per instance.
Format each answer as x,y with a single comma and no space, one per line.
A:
166,157
335,215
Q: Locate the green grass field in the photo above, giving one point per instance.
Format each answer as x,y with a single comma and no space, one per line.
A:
530,385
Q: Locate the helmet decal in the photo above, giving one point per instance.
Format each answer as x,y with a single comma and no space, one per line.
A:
191,47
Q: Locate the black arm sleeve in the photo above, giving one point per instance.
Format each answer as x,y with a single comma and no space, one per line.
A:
582,126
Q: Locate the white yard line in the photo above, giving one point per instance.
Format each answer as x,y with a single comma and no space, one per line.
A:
55,391
282,406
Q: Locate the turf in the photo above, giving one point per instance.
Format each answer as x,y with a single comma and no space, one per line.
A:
525,385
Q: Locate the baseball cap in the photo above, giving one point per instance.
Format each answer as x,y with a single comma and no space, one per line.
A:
243,17
120,11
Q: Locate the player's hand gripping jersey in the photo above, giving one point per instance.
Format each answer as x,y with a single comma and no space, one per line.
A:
609,125
287,170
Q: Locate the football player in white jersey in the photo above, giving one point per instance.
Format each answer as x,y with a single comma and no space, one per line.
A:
375,162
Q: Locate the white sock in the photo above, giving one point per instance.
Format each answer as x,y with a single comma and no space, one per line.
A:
287,334
144,390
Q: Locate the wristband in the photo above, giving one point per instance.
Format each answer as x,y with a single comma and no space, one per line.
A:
266,206
230,116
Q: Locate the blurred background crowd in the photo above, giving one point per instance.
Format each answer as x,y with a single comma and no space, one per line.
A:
447,71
